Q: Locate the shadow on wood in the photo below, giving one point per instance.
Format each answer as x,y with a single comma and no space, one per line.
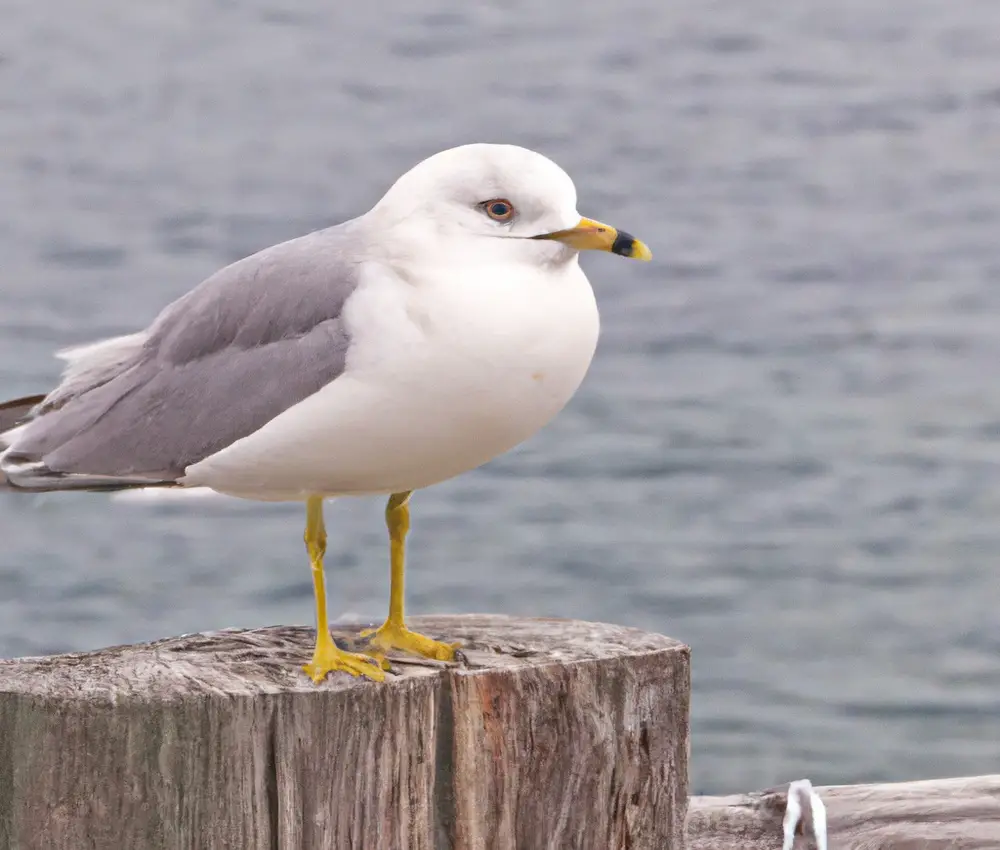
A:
548,734
936,814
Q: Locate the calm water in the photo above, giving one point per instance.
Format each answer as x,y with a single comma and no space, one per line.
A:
787,453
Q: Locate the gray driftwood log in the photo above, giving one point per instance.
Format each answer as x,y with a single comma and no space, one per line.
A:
547,735
936,814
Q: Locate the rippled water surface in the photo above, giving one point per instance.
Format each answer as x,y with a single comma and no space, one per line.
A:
787,453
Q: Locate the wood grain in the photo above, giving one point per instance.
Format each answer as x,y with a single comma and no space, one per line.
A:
936,814
549,734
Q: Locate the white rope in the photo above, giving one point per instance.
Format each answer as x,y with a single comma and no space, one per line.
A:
803,800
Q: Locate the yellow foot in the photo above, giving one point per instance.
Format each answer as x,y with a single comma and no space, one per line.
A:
328,658
391,636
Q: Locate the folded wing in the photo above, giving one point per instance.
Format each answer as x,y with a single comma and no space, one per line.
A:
251,341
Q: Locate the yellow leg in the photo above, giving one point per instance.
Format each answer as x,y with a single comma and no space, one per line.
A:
327,657
393,634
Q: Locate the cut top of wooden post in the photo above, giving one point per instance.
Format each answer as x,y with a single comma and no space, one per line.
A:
269,660
546,733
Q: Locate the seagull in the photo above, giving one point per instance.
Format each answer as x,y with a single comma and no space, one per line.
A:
379,356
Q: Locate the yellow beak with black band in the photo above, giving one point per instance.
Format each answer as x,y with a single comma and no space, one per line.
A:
594,236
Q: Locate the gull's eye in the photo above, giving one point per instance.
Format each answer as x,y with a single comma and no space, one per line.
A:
499,209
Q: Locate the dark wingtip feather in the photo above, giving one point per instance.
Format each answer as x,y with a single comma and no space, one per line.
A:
15,411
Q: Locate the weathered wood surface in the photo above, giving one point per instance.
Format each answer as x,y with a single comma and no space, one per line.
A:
547,735
936,814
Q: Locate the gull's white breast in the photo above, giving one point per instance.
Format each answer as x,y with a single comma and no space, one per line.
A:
441,376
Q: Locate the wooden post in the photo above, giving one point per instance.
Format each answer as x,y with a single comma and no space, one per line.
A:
547,735
935,814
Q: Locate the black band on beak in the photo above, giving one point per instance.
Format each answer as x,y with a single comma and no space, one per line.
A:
623,244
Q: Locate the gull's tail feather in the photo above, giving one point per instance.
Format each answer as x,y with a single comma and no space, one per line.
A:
31,475
37,478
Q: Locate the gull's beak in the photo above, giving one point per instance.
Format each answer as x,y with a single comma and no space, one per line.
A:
594,236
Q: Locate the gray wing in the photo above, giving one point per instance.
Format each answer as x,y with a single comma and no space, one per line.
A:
216,365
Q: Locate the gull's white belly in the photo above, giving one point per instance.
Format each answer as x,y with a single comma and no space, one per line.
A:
439,380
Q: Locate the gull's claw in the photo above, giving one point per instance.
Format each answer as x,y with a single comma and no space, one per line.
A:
390,636
328,658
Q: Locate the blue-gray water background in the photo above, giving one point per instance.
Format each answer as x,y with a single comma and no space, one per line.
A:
787,453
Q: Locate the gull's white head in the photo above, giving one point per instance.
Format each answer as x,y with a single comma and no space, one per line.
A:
500,200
